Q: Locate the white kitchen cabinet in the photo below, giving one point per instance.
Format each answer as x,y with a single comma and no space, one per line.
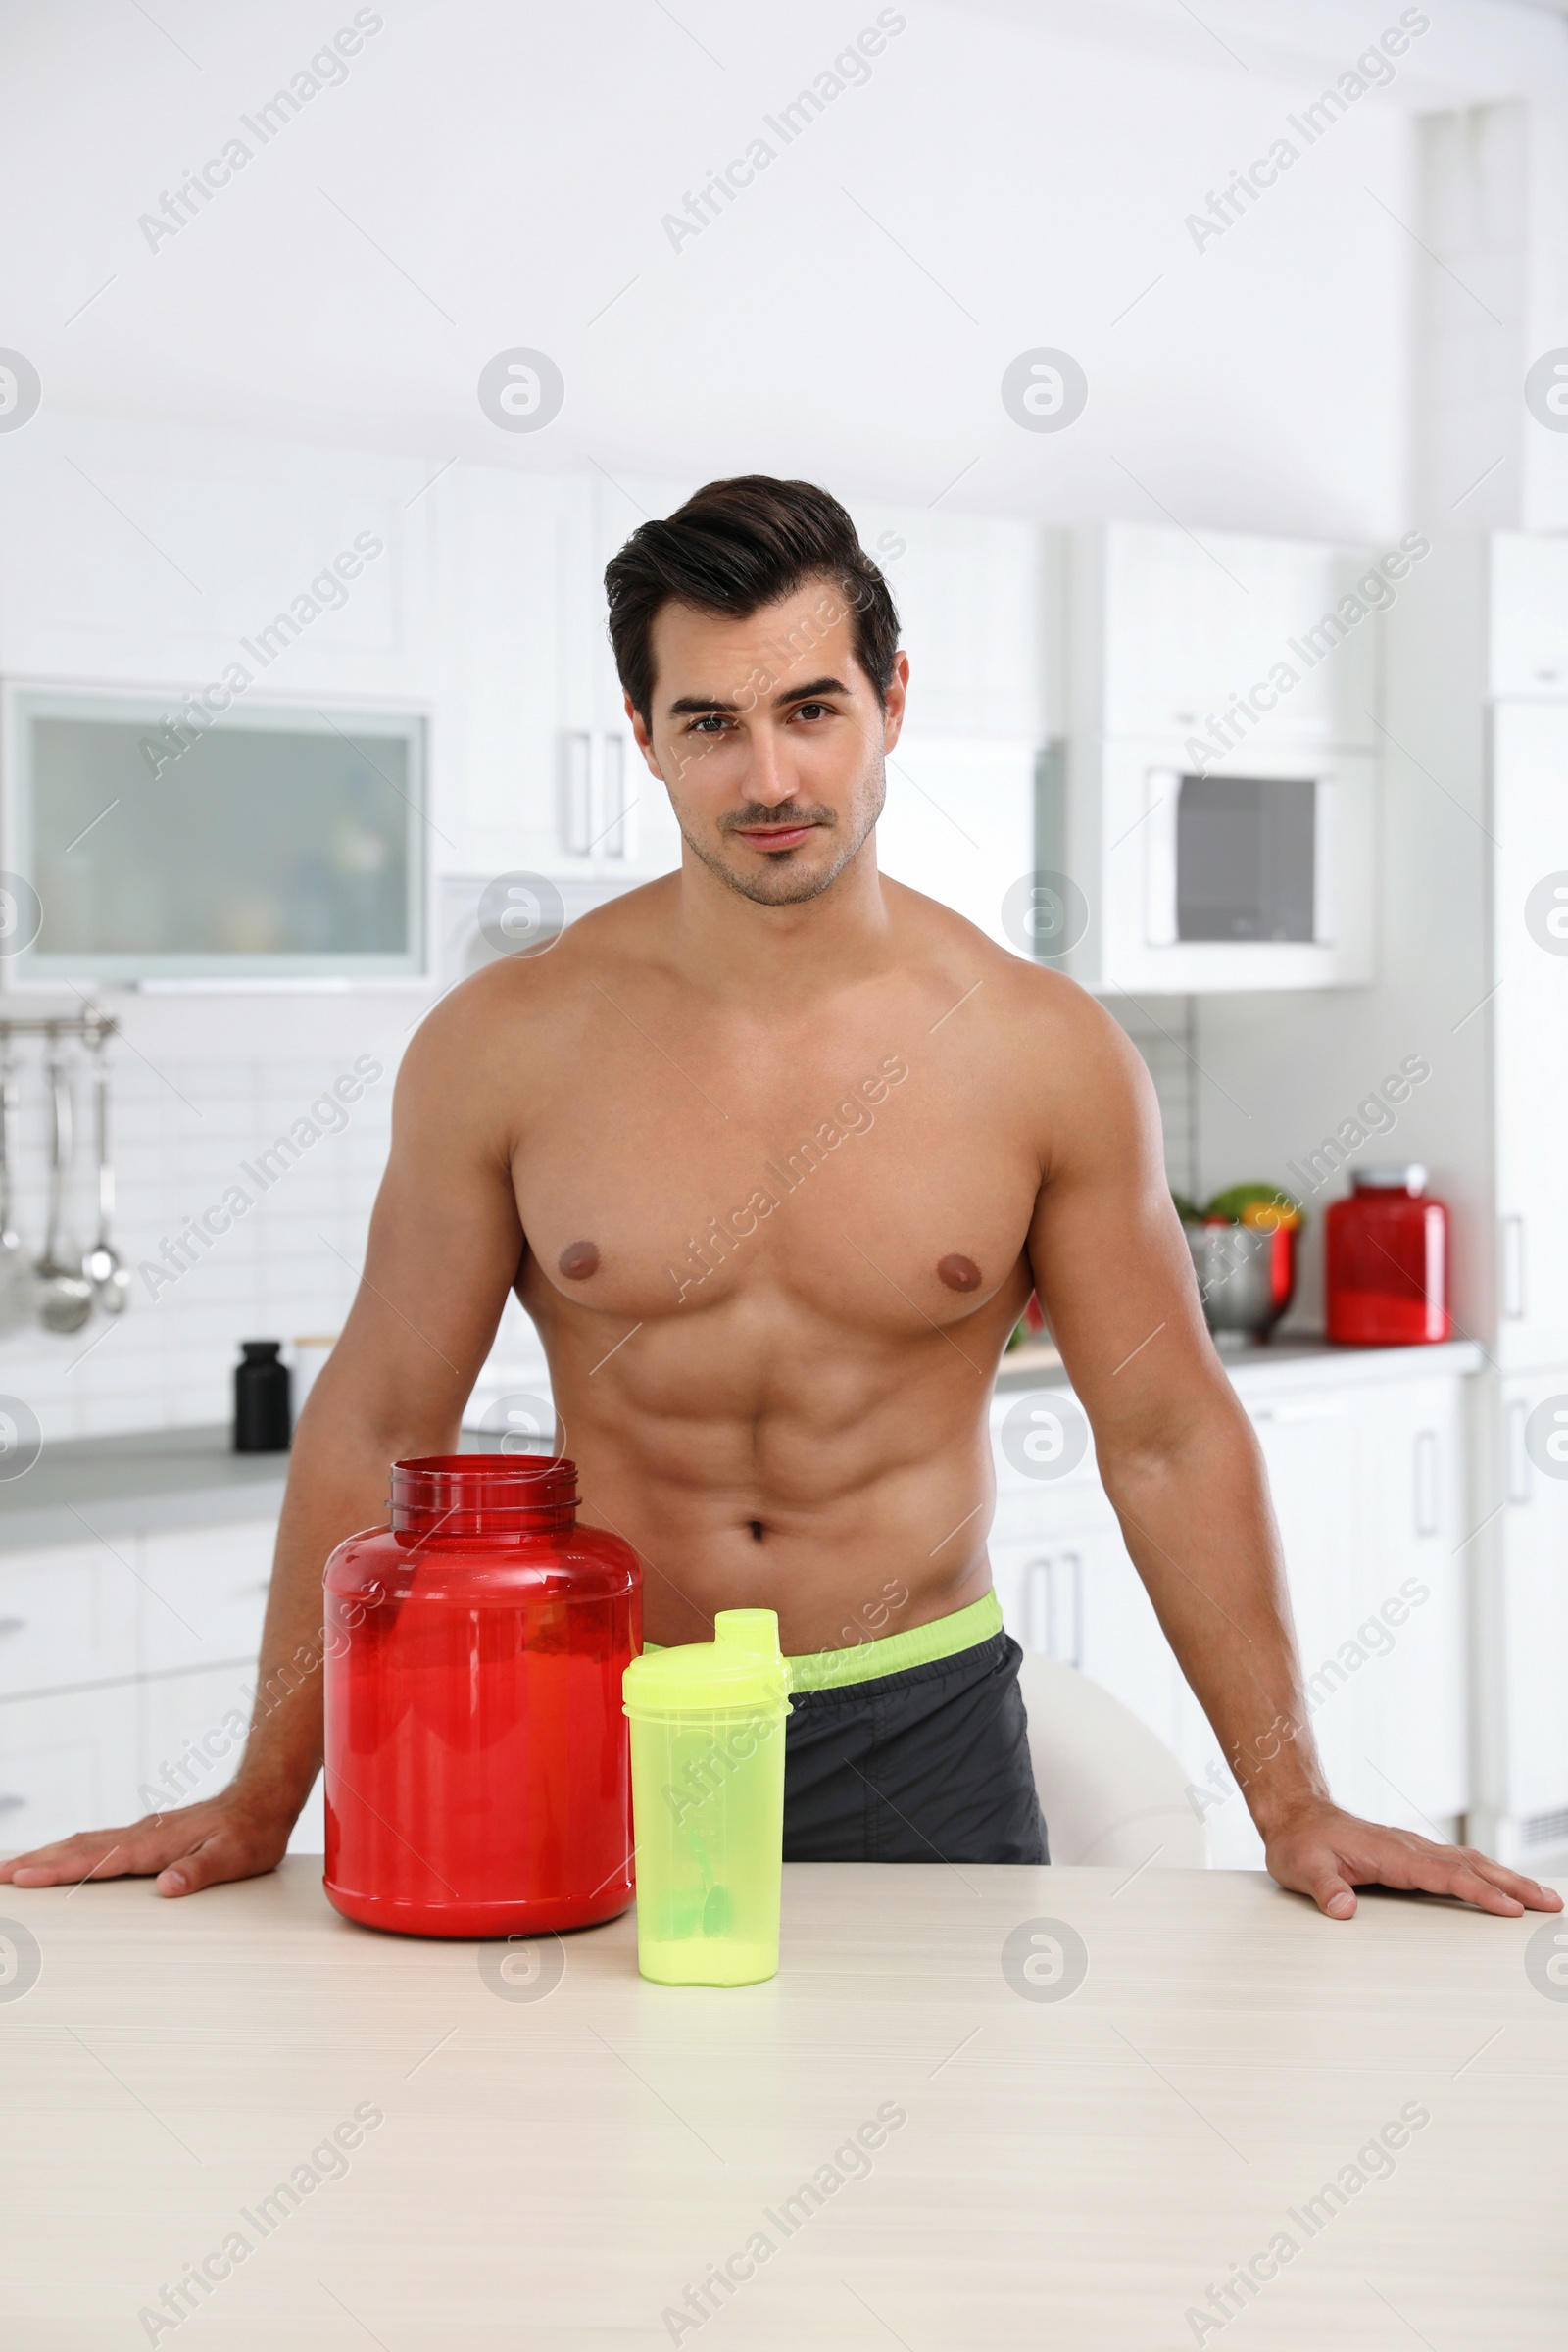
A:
1369,1486
68,1761
514,554
958,824
190,1732
1076,1598
1525,1617
1529,1014
1308,1444
1527,621
1168,627
137,552
190,1735
1404,1655
67,1616
123,1658
203,1595
973,598
543,772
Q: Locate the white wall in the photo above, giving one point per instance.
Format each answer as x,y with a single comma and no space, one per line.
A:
1008,176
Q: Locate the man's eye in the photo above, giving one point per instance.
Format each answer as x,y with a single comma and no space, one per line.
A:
712,722
813,711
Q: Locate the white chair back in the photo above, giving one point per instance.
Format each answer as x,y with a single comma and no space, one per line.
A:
1110,1790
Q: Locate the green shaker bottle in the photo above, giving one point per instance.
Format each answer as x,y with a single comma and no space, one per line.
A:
707,1802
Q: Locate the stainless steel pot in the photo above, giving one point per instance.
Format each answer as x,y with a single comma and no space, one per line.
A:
1246,1278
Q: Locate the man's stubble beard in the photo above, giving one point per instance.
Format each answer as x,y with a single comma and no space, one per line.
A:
780,882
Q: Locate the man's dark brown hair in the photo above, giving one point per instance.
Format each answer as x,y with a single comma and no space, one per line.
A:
733,548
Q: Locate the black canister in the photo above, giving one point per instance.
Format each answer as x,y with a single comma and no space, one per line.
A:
264,1412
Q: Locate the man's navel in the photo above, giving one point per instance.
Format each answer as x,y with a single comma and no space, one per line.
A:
579,1259
959,1273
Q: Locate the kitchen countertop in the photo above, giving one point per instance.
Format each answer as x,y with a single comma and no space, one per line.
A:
1299,1361
167,1478
142,1480
127,1485
555,2161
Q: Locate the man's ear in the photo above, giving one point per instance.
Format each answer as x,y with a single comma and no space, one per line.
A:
644,740
893,706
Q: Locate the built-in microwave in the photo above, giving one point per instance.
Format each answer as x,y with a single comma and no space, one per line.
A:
1254,872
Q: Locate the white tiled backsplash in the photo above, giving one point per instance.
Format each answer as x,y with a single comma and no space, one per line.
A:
1163,1031
200,1085
203,1084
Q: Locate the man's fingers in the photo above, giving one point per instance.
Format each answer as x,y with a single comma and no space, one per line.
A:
108,1854
211,1859
1454,1870
1528,1893
1319,1877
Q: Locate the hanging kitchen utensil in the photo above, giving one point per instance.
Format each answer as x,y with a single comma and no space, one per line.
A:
65,1294
103,1265
17,1282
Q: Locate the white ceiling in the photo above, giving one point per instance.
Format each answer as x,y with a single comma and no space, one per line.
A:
1011,175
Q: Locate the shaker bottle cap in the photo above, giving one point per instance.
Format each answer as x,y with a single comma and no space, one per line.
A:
740,1667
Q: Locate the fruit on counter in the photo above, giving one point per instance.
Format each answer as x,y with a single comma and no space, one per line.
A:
1261,1206
1031,1325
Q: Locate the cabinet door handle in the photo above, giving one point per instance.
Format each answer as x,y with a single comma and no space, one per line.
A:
1037,1607
1427,1508
1519,1489
576,795
13,1625
1066,1591
613,836
1513,1269
11,1804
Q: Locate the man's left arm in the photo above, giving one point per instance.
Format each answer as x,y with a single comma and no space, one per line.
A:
1183,1468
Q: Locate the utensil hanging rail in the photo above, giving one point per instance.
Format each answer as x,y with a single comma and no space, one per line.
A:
90,1024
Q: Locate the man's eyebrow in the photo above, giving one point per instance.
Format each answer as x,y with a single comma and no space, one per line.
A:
697,706
694,706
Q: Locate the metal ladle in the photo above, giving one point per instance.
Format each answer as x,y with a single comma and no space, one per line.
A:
103,1265
17,1284
65,1294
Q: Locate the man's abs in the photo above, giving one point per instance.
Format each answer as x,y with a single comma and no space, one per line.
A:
761,1455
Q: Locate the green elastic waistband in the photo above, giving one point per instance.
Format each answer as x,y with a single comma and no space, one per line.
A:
894,1654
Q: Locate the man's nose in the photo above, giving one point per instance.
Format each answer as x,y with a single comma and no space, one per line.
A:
769,775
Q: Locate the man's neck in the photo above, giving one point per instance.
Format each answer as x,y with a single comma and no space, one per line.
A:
767,959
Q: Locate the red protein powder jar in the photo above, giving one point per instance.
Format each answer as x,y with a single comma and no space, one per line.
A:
1385,1261
478,1766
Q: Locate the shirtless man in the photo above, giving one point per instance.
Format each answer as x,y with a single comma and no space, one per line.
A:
774,1152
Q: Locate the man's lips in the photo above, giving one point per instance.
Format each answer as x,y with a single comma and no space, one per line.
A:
773,837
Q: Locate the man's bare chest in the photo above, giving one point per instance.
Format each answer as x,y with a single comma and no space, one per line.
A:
870,1184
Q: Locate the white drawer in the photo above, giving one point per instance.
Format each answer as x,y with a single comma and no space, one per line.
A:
204,1594
192,1737
66,1764
67,1615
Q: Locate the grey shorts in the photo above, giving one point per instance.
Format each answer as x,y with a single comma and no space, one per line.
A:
927,1765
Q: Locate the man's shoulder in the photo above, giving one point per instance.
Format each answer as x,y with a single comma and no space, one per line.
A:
530,994
1028,1000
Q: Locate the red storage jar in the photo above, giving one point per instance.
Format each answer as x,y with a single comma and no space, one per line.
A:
477,1768
1385,1261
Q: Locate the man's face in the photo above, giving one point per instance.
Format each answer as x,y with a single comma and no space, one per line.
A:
770,740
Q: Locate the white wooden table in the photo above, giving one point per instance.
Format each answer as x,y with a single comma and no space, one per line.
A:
559,2157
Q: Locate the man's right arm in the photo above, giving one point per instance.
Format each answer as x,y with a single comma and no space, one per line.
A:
445,1245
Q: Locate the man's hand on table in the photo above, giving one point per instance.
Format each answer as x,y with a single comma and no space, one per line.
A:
1326,1853
234,1836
